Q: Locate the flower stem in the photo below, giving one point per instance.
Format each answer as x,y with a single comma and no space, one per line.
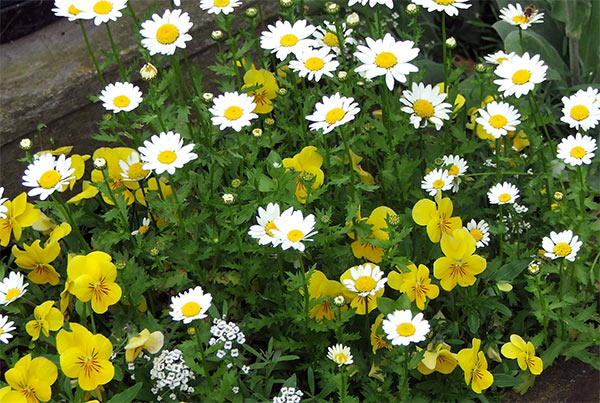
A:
352,173
521,40
201,351
444,51
90,312
343,388
581,191
91,52
234,49
64,209
304,286
115,53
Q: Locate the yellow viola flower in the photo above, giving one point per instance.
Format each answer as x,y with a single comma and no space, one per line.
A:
308,165
46,318
59,233
65,296
93,277
20,215
437,216
378,338
459,102
473,363
320,286
66,150
363,175
377,220
85,356
416,284
363,285
116,182
519,140
8,395
38,259
524,353
32,378
265,93
87,192
43,224
151,342
152,186
460,265
439,359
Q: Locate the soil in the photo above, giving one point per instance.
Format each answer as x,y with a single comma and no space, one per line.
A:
21,17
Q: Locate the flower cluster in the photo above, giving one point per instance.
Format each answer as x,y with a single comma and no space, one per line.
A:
169,371
288,394
226,333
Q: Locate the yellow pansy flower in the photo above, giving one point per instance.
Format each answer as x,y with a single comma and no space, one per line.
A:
116,182
473,363
152,342
459,101
32,378
439,359
363,175
152,186
416,284
38,259
524,353
378,339
20,215
377,219
46,318
437,216
265,93
308,165
8,395
320,286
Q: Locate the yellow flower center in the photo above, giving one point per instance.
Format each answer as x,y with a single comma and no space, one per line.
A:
167,34
498,121
445,2
386,60
454,170
0,331
406,329
579,112
143,229
295,235
578,152
562,249
477,234
12,293
136,171
190,309
314,63
73,10
221,3
233,113
335,115
521,76
438,184
167,157
365,283
121,101
423,108
288,40
501,59
330,39
103,7
49,179
504,197
520,19
340,358
270,227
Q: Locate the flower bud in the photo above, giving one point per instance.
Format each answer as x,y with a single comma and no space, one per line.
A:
154,252
148,71
100,163
558,196
533,267
352,20
282,92
286,3
332,8
228,198
25,144
207,97
251,12
339,300
257,132
342,75
480,68
216,35
235,183
269,121
554,206
451,43
412,9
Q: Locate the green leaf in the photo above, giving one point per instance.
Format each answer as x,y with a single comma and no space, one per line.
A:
127,395
506,381
473,323
386,305
507,272
536,44
553,351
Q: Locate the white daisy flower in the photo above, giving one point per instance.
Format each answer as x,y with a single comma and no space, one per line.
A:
581,110
133,170
577,150
167,33
499,57
480,231
219,6
3,208
314,63
593,92
457,166
12,288
45,175
67,9
263,230
166,152
190,305
515,15
503,193
142,228
119,97
332,112
326,37
519,75
450,7
437,180
386,57
293,229
233,110
372,3
563,244
5,328
402,329
340,354
366,279
284,38
498,118
425,104
101,10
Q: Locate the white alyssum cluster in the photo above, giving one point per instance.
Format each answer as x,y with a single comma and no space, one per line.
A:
288,394
170,371
227,333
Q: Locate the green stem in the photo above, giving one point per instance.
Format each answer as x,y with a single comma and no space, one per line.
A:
201,350
91,52
581,191
91,312
497,154
234,50
444,55
133,16
352,173
343,389
304,286
64,209
521,40
539,114
501,234
115,53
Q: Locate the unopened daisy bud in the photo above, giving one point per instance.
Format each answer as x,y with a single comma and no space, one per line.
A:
342,75
451,43
107,116
148,71
533,267
394,219
412,9
325,219
228,198
192,330
352,20
216,35
154,252
493,354
257,132
207,97
480,68
438,161
286,3
120,265
339,300
100,163
554,206
269,121
360,83
332,8
282,91
25,144
558,196
235,183
251,12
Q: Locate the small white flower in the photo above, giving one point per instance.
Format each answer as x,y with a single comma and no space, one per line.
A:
340,354
101,10
221,354
245,369
581,110
167,33
520,209
332,112
498,57
563,244
265,225
235,352
498,118
480,231
314,64
293,229
120,96
228,198
519,75
166,152
577,150
425,104
235,390
450,7
503,193
68,9
283,38
437,180
219,6
515,15
233,110
46,175
190,305
326,37
143,228
366,279
5,328
402,329
12,288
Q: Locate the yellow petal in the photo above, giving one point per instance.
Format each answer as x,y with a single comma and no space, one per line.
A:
424,211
